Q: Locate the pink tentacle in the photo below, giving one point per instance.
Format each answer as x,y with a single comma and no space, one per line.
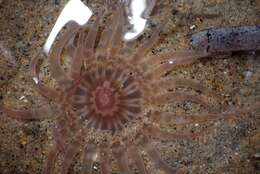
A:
89,42
55,57
51,161
70,153
107,35
153,154
42,113
43,89
90,155
168,83
122,159
171,63
171,83
156,132
105,163
142,50
134,153
182,119
182,97
61,134
78,56
171,56
116,40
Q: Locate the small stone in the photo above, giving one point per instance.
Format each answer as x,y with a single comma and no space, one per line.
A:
22,97
193,27
248,75
23,141
257,155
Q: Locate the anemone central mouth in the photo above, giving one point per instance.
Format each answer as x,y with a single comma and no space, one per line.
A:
104,99
108,98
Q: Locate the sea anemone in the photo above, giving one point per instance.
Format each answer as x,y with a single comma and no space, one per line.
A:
109,100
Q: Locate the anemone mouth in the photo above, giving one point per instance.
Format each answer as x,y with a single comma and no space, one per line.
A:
108,98
105,99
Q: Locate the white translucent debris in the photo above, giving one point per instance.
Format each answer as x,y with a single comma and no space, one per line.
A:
22,97
75,10
193,27
95,167
248,75
171,62
36,80
257,155
140,10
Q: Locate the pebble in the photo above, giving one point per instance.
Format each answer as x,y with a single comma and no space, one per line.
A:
248,75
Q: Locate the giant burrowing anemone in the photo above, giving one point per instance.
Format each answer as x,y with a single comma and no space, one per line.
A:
109,99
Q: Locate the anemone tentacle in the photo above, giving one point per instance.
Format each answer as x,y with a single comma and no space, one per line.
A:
173,62
135,155
153,154
184,119
41,113
107,36
143,49
69,154
105,167
51,160
156,132
89,157
55,58
182,97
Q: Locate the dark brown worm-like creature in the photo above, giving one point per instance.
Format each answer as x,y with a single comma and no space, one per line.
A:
227,39
108,100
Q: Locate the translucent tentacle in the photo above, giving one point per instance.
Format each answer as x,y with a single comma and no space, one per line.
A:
43,89
170,83
158,133
61,134
116,41
51,160
181,97
127,49
30,114
90,155
171,56
149,8
180,119
172,63
85,48
122,159
91,37
154,155
55,57
105,164
166,84
70,47
48,92
135,155
142,50
70,153
107,35
78,56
